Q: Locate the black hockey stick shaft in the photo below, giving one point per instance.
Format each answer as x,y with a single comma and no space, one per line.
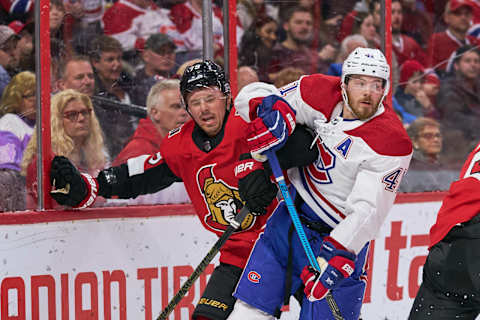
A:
203,264
109,104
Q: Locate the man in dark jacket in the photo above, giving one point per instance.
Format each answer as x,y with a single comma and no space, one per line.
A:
159,62
459,103
113,83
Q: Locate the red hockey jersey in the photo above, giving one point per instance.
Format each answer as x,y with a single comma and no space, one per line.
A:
211,184
462,201
442,45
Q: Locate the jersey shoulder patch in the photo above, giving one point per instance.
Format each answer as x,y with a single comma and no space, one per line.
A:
321,92
385,134
173,132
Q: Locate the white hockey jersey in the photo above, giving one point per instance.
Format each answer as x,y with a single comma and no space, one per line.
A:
132,25
188,23
353,183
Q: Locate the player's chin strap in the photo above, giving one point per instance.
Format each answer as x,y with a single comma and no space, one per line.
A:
280,179
345,99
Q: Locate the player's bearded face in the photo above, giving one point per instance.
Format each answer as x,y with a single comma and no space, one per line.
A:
207,108
364,95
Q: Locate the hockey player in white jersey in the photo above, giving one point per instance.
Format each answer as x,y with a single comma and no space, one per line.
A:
342,199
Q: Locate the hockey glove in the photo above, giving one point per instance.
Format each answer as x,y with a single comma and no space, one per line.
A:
69,186
254,184
336,264
275,121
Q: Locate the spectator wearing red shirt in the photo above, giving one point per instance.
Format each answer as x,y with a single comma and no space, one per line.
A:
416,22
475,28
458,17
347,23
164,113
405,47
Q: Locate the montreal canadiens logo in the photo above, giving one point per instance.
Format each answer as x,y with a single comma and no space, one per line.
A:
254,277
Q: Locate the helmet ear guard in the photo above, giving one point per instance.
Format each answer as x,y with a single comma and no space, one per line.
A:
366,62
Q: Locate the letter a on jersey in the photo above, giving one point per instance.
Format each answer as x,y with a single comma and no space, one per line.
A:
344,147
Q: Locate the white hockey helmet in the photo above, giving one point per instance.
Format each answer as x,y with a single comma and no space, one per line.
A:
367,62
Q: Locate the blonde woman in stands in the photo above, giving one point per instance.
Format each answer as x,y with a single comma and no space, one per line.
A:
75,133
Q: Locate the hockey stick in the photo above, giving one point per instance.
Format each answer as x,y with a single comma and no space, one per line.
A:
234,225
109,104
277,172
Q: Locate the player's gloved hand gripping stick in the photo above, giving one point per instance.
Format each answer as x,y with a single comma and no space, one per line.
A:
204,263
280,179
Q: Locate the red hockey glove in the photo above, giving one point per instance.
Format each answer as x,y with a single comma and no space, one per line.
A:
275,121
254,184
69,186
336,264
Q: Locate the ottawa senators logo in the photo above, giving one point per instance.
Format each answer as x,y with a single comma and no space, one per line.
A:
223,201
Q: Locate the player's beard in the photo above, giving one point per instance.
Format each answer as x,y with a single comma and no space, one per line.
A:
360,110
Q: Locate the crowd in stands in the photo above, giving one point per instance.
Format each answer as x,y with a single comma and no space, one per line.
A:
132,51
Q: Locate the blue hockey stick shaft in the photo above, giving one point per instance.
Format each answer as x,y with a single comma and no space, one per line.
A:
280,179
277,172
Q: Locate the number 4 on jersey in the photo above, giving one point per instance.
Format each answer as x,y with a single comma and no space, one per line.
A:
392,179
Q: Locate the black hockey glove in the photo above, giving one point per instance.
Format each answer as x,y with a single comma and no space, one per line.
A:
69,186
254,184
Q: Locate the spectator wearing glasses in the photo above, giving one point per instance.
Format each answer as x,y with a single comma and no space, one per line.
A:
458,17
75,133
427,171
159,63
17,112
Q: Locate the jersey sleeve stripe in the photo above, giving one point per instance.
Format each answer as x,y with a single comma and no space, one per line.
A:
137,165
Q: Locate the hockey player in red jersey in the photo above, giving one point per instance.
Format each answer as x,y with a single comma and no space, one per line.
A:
342,198
451,281
204,154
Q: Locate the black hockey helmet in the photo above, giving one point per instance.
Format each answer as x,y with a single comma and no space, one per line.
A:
203,74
